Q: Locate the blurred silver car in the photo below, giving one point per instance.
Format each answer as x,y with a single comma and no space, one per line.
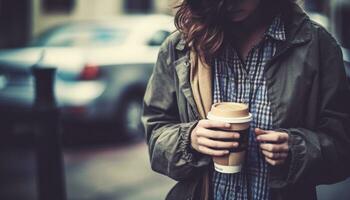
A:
103,68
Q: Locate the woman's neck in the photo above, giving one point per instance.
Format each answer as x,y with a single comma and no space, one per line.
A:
255,23
248,33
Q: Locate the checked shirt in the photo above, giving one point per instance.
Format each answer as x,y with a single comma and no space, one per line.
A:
245,82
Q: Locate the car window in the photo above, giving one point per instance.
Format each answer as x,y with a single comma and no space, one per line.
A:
158,38
83,36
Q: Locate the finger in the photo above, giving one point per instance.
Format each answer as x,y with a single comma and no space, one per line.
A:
216,144
212,152
275,156
217,134
275,147
213,124
274,162
259,131
273,136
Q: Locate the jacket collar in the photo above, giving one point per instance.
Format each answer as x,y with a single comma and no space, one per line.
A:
181,45
297,30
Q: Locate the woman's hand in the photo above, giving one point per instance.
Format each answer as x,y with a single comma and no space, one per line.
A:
206,136
274,145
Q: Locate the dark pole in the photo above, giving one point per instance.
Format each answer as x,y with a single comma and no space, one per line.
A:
51,182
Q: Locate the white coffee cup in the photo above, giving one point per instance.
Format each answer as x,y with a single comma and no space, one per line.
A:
237,114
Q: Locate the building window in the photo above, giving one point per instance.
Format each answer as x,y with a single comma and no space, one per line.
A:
15,23
344,26
138,6
58,5
314,5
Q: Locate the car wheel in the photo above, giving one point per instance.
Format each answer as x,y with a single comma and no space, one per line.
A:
131,119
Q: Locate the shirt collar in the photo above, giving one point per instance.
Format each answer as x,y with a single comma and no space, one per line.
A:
277,29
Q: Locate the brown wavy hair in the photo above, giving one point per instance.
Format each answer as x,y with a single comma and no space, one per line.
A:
203,23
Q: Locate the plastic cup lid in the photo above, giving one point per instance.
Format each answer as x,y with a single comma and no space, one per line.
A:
237,120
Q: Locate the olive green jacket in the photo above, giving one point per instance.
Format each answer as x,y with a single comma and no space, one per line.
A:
309,98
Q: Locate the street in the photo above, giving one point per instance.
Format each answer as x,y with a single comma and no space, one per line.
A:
94,173
109,172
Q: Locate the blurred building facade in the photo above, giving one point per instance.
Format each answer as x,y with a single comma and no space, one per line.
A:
21,20
15,22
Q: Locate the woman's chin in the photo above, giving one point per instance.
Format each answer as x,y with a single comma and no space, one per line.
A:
238,17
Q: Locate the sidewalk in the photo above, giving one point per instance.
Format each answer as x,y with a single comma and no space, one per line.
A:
97,173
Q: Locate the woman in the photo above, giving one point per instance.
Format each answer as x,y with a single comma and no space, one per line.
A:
267,54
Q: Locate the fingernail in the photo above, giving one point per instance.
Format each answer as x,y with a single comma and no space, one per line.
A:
258,138
227,125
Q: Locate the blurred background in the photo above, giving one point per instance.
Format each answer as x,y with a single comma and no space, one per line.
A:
104,52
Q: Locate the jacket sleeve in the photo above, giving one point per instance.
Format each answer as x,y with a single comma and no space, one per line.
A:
168,139
322,156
